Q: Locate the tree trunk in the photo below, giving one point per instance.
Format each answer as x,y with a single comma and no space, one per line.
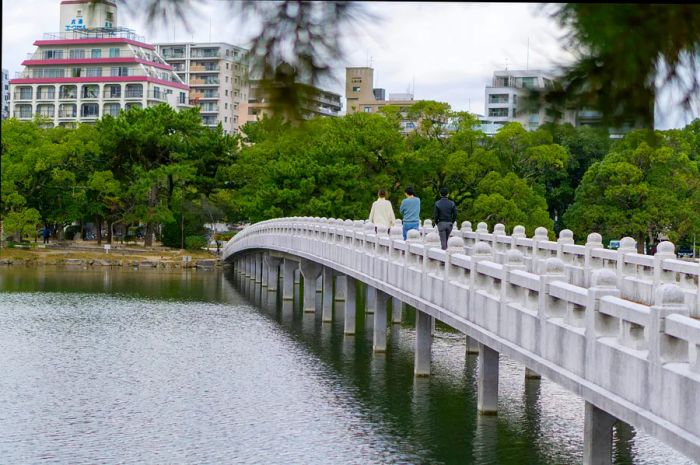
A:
98,234
150,226
109,231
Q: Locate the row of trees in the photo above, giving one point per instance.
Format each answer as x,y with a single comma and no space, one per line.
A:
157,167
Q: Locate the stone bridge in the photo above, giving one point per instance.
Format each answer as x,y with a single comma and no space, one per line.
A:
617,328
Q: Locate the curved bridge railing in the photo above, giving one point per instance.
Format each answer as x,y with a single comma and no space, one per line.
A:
618,328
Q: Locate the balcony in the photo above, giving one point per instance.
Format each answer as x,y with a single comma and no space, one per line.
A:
22,114
67,114
133,94
68,96
173,56
205,69
209,109
111,95
203,82
95,33
46,95
160,96
23,95
45,113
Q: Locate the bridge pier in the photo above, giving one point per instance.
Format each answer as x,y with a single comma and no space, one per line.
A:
597,436
530,374
273,269
396,310
350,293
424,342
487,393
379,344
288,279
261,272
340,288
327,294
472,346
310,271
371,299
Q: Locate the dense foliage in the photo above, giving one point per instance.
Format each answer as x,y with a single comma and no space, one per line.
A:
161,169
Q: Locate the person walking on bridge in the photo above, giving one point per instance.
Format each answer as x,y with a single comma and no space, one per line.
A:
444,214
382,213
410,210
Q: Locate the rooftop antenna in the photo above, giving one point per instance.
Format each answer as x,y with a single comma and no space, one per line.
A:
527,65
371,61
209,29
506,63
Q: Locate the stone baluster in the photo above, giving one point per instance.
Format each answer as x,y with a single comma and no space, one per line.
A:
432,240
480,252
593,241
541,235
627,246
499,233
664,251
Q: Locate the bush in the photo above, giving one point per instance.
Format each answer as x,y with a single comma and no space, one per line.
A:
195,242
71,231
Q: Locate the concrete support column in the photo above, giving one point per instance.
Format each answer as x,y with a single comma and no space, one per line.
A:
396,310
597,436
529,374
487,397
273,269
424,342
379,344
371,299
472,346
340,288
350,291
327,294
261,276
310,271
288,279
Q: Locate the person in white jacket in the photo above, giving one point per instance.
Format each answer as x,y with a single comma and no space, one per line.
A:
382,213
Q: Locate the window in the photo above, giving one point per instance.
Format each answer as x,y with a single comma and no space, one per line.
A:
498,98
68,92
96,53
225,106
226,78
89,110
227,92
182,97
91,91
226,65
113,52
367,109
77,53
356,80
52,54
113,91
76,72
355,88
93,72
225,119
120,71
498,112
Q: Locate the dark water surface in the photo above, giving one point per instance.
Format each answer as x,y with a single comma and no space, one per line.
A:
151,367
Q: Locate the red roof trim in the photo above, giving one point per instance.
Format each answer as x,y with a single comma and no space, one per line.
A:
80,61
101,40
96,80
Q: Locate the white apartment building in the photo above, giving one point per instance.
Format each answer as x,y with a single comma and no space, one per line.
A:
505,101
90,69
217,76
5,93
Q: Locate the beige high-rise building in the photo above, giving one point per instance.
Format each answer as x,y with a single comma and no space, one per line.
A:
362,96
217,74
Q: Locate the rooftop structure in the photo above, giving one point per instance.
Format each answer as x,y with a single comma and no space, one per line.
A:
92,68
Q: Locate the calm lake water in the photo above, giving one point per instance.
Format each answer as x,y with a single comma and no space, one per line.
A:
146,367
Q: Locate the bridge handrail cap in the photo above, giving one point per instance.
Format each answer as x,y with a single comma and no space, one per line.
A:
666,248
455,244
603,278
594,240
669,294
514,256
566,235
553,265
481,248
427,223
398,223
482,227
348,223
396,232
467,226
519,231
358,224
432,238
628,243
413,235
369,227
541,234
499,229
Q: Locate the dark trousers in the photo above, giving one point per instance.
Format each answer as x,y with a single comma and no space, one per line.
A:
444,229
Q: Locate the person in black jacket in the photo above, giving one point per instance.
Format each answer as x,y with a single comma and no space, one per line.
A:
444,214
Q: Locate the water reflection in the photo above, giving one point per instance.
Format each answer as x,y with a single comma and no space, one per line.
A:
144,366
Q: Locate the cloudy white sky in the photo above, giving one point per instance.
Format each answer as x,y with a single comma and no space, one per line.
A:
443,51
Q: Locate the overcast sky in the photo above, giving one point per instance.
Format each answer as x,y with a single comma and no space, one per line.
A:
444,51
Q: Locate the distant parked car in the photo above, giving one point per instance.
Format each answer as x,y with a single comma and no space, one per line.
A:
685,251
614,245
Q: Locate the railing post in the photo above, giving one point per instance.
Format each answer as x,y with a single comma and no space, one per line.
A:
603,283
593,241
